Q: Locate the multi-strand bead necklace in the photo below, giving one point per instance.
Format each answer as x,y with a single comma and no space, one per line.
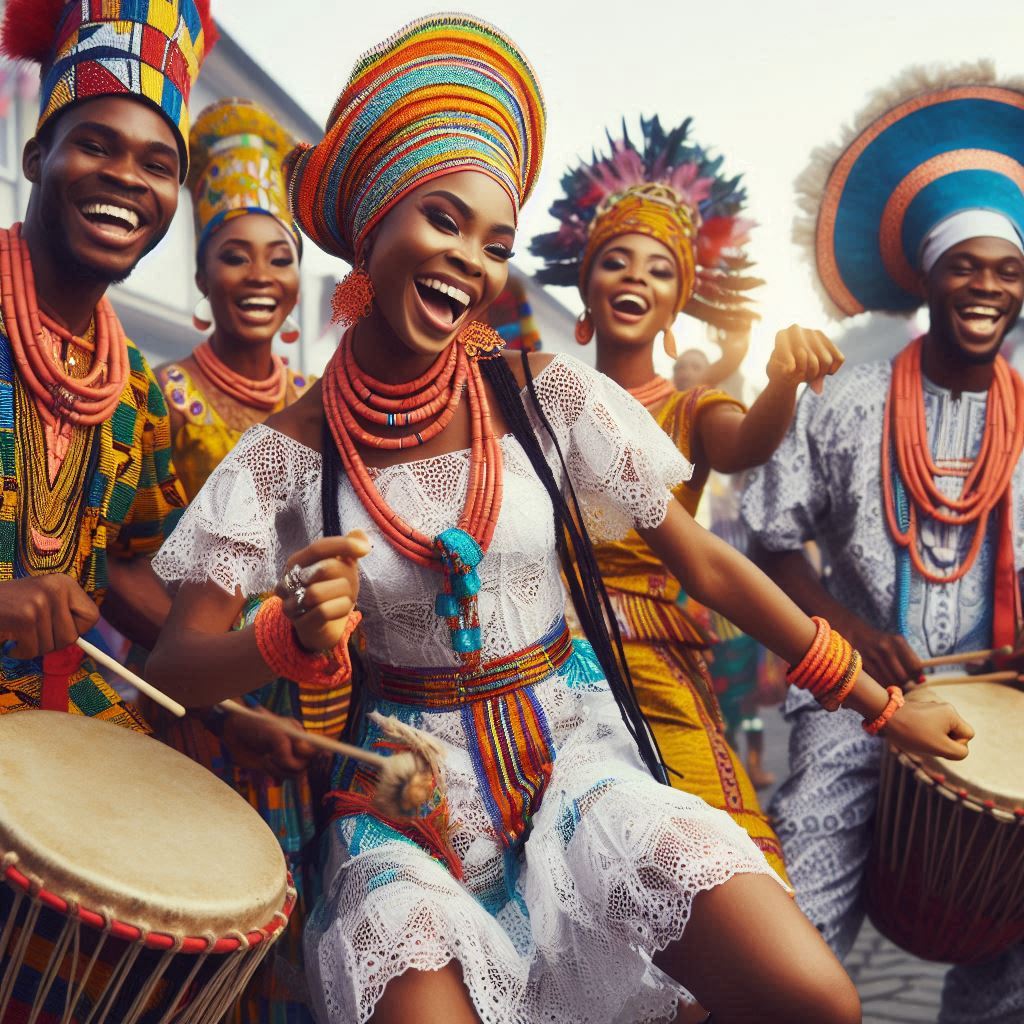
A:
59,396
428,404
911,493
257,394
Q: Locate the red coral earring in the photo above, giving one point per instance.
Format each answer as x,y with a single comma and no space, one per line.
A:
353,298
584,331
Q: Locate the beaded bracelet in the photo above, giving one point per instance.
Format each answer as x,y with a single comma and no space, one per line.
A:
895,702
834,699
279,647
829,669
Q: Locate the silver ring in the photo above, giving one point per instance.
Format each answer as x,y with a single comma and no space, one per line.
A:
293,578
300,598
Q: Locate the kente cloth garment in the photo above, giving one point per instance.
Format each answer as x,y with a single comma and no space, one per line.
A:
824,483
147,49
203,437
236,153
560,921
130,502
662,644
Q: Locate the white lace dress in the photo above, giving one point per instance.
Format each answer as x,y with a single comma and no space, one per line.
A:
559,924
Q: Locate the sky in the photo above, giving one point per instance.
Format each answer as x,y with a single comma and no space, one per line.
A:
765,81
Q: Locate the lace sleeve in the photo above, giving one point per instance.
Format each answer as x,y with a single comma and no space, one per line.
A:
621,463
260,504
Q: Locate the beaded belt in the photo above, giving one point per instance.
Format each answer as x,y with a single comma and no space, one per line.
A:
442,689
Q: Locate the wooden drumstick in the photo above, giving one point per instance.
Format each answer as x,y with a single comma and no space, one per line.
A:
157,696
312,738
403,785
965,657
981,677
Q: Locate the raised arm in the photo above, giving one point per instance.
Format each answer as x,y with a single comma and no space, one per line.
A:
730,440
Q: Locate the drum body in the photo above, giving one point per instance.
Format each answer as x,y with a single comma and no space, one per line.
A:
945,878
135,886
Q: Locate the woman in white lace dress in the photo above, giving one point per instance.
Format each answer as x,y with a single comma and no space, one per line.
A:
556,880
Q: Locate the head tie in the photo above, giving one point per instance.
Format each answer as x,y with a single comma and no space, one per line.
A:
237,150
963,226
446,93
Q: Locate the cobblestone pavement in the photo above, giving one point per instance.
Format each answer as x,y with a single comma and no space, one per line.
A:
895,987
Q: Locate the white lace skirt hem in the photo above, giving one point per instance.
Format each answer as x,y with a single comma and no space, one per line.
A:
606,878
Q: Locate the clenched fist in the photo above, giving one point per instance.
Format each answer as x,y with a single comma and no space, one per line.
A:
320,587
803,356
44,613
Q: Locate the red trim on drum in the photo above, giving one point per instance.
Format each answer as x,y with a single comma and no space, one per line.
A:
155,940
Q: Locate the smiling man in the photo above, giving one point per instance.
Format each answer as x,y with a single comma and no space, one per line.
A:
908,474
85,459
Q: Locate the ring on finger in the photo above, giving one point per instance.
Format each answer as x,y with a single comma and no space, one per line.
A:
293,579
300,599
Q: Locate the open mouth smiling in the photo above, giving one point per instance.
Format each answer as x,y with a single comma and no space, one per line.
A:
446,303
112,217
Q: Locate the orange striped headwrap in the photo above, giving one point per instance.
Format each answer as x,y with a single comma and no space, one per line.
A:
653,210
445,93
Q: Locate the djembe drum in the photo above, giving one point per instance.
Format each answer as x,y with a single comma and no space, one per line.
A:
945,878
134,885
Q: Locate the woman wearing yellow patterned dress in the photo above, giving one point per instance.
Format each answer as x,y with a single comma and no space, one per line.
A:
247,267
646,234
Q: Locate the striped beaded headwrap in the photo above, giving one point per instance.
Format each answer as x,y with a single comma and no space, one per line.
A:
933,145
672,191
237,149
446,93
150,49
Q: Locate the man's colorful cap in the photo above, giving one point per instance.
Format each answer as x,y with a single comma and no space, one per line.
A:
446,93
931,146
151,49
237,150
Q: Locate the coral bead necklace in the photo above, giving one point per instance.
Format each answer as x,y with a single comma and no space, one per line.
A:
909,473
257,394
456,552
654,392
80,401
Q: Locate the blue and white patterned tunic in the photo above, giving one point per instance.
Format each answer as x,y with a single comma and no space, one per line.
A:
824,484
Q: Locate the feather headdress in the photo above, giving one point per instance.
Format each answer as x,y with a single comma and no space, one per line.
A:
670,189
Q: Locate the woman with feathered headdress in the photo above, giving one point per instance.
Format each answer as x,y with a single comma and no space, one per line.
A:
645,233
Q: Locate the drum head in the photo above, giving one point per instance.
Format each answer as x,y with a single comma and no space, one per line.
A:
994,768
122,824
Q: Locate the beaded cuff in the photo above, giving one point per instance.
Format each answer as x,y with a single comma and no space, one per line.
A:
829,669
279,647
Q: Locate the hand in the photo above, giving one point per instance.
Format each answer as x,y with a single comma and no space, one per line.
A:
44,613
320,608
929,727
803,356
265,748
887,657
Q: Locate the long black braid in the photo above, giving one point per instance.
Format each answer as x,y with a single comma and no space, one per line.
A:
575,551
